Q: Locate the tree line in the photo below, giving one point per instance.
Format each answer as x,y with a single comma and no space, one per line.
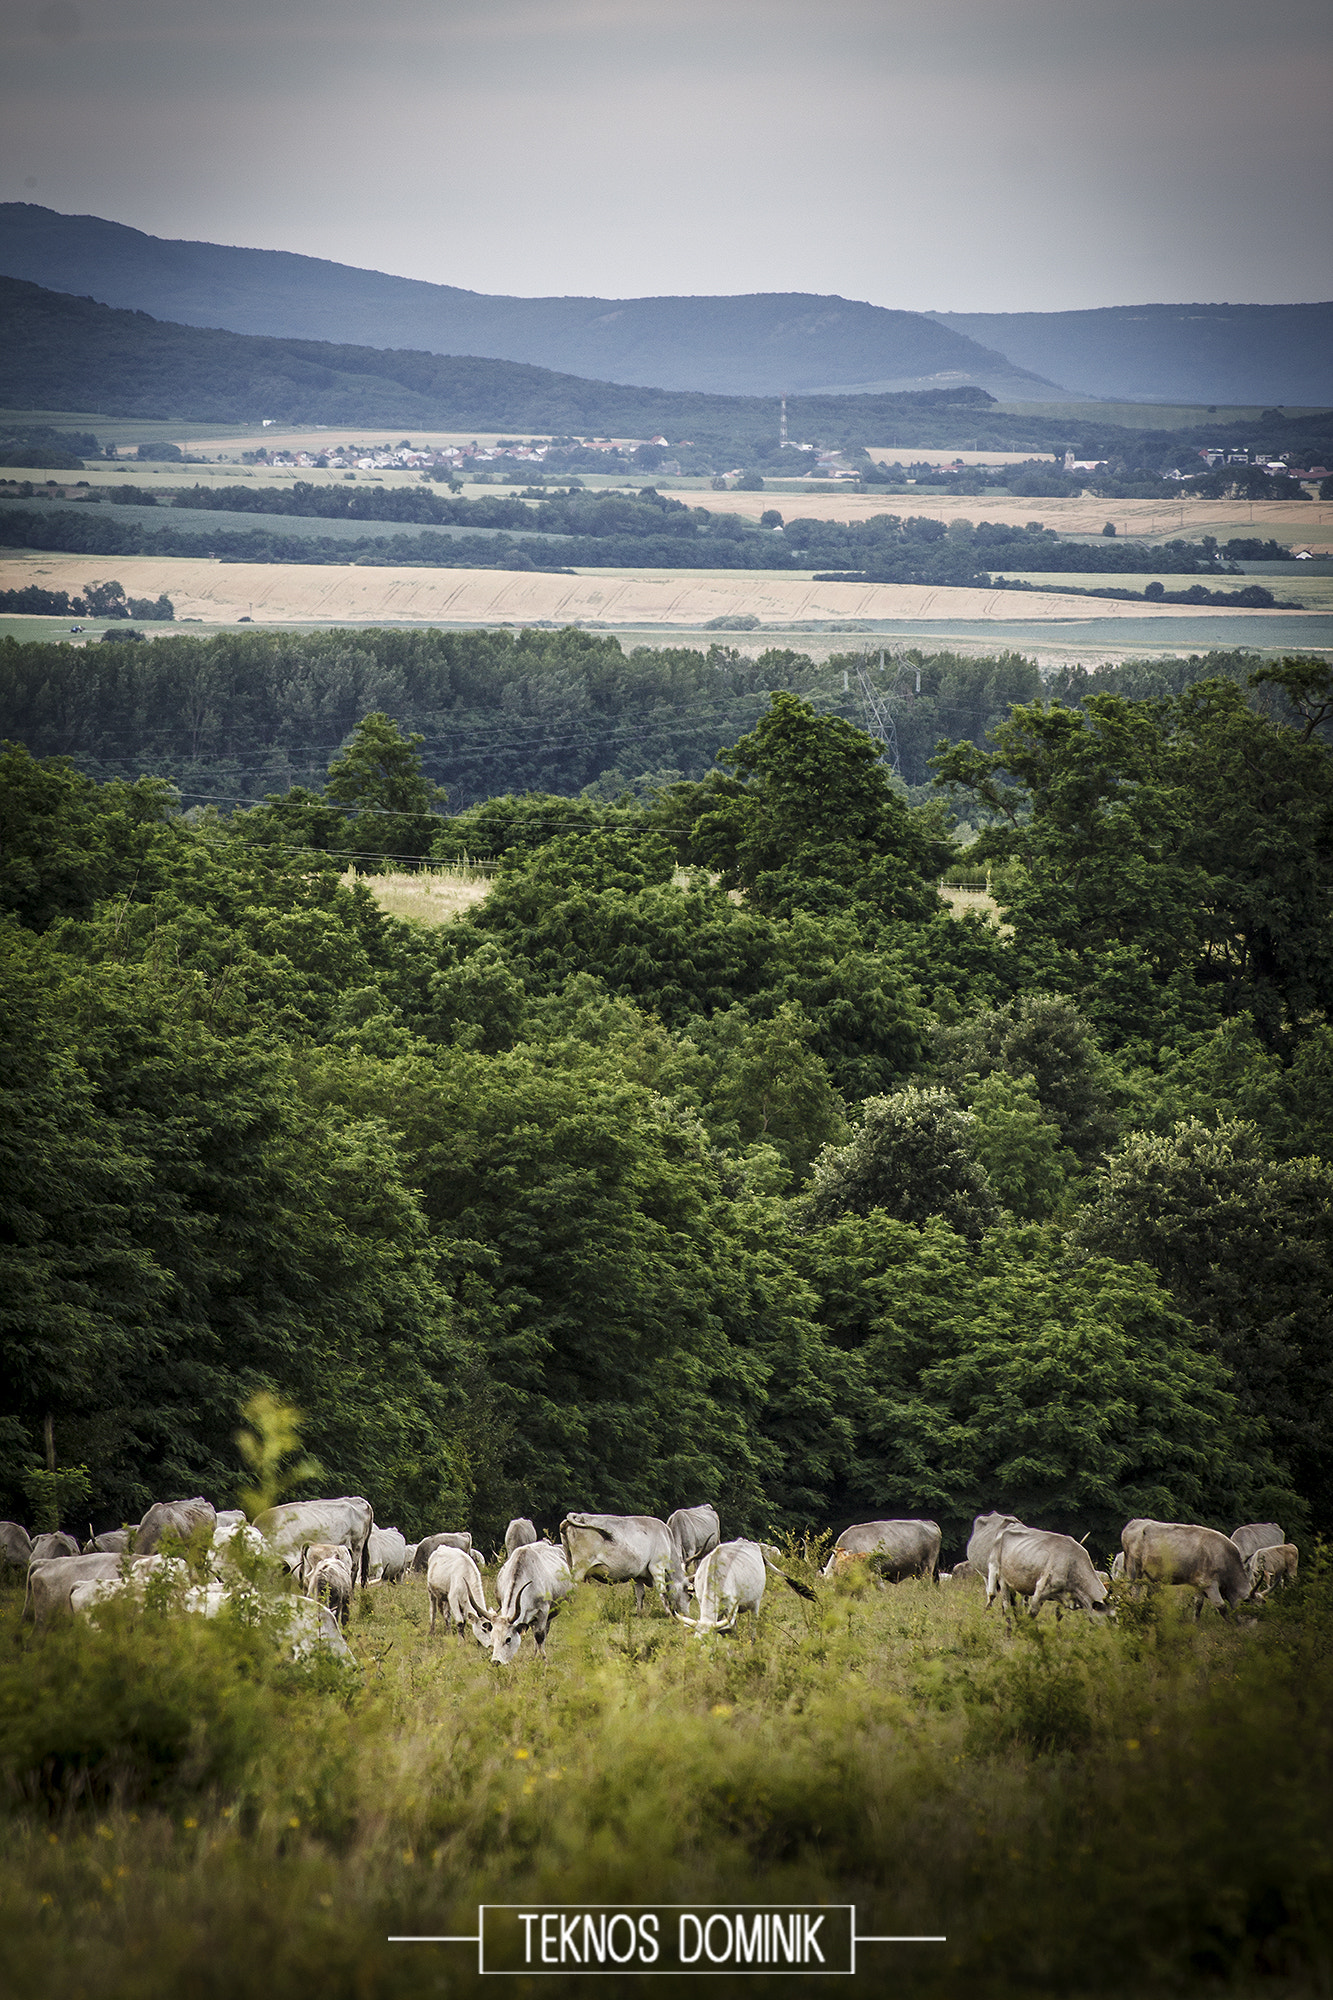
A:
612,531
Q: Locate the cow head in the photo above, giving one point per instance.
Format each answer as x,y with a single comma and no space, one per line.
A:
482,1628
506,1638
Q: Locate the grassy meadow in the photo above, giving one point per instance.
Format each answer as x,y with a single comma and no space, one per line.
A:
1135,1809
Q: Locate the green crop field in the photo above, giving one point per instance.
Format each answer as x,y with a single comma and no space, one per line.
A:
1128,1809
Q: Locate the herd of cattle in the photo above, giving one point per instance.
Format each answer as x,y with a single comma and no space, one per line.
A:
333,1547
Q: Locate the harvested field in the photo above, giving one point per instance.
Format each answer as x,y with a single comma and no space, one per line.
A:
279,593
1153,520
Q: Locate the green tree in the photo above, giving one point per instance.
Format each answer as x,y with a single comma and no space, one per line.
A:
1244,1244
911,1155
811,820
1017,1144
394,808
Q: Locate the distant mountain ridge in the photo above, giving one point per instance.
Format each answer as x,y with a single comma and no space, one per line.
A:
1171,354
66,353
762,344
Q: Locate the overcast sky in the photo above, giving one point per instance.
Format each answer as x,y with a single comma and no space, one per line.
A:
955,155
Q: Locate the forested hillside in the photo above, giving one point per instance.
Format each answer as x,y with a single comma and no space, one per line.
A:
761,344
709,1155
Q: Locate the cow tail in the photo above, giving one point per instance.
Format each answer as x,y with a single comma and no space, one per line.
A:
365,1560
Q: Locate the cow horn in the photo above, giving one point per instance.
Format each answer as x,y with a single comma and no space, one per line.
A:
683,1619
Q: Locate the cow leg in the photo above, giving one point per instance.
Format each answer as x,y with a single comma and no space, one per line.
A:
433,1608
638,1593
540,1625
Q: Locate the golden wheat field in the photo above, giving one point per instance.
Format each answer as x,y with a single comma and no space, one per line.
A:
346,593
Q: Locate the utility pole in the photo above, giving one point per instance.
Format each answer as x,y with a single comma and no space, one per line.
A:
782,427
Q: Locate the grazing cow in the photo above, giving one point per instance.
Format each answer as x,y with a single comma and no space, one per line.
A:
290,1527
963,1572
426,1547
899,1549
626,1548
1118,1566
53,1548
1039,1565
388,1555
327,1573
529,1588
697,1530
730,1579
410,1558
1182,1552
454,1585
1269,1567
520,1534
132,1579
1257,1535
15,1544
113,1543
985,1529
173,1517
51,1582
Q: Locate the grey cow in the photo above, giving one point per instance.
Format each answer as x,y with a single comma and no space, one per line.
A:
900,1549
530,1587
1257,1535
1045,1568
290,1527
697,1530
453,1539
627,1548
53,1548
520,1534
1185,1553
731,1579
15,1544
985,1530
454,1586
173,1517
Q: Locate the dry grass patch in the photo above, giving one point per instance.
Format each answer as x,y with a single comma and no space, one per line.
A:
428,895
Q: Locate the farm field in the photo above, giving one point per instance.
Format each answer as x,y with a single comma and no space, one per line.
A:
1314,592
271,593
1078,1809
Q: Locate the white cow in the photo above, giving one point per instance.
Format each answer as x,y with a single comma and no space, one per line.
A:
529,1590
51,1583
454,1586
985,1529
1041,1566
730,1579
290,1527
388,1555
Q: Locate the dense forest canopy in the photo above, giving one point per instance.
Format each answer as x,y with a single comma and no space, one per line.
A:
709,1155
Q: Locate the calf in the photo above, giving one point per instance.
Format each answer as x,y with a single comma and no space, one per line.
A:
454,1586
1271,1566
326,1574
1038,1565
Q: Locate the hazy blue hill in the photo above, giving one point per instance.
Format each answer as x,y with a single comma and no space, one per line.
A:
1171,354
63,353
761,344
